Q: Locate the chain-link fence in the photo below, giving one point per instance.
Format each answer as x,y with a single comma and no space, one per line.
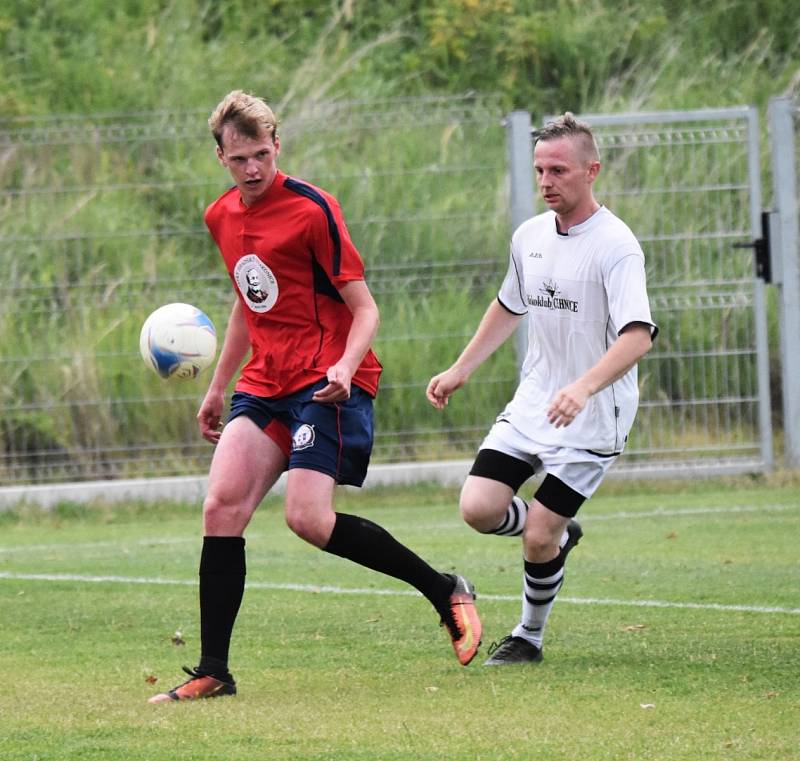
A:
102,223
688,184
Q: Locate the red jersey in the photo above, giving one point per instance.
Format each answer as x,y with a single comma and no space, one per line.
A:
287,255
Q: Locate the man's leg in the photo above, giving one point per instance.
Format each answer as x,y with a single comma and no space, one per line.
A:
489,501
245,466
547,540
491,507
310,514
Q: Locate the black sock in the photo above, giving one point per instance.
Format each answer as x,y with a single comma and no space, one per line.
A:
367,544
222,572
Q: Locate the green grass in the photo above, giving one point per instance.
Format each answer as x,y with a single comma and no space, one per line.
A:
710,674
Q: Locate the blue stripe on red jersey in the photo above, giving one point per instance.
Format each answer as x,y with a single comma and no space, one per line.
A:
314,195
323,284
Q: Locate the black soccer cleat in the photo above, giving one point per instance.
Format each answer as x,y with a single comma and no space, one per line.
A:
574,534
512,650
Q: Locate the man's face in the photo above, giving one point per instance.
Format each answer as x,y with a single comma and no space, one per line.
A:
564,174
251,162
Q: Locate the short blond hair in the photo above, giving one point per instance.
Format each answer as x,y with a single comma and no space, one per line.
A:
568,126
248,115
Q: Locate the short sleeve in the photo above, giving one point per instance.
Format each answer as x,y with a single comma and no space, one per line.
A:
626,286
333,248
512,292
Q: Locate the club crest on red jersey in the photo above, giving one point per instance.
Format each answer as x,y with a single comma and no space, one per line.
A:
256,283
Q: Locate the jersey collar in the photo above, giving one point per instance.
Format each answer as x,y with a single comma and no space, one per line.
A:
583,226
277,182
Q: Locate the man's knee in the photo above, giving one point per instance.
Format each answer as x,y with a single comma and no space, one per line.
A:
540,546
308,508
307,522
480,510
542,535
222,517
297,521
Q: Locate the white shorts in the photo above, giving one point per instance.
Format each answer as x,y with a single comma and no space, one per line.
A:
579,469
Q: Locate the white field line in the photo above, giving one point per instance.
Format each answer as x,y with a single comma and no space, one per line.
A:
96,545
84,579
623,515
661,512
658,512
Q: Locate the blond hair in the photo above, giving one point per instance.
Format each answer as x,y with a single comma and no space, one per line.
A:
568,126
248,115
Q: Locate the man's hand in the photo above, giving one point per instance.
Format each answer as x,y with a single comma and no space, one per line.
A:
567,403
633,343
441,387
210,415
338,388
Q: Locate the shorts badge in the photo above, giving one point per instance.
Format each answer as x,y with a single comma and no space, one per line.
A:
303,437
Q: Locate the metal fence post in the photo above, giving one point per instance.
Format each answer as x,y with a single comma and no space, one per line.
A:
520,170
759,293
782,114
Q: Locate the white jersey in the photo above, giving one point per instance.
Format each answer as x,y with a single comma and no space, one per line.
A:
578,290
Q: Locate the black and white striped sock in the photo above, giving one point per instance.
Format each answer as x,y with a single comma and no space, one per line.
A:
513,522
541,583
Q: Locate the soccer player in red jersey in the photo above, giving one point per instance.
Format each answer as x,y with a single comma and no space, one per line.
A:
303,401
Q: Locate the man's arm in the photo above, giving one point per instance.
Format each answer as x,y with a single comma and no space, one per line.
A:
366,319
234,348
633,343
495,327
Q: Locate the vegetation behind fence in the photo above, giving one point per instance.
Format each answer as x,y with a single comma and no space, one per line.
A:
101,207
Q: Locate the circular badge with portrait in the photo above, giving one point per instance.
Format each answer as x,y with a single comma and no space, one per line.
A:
256,282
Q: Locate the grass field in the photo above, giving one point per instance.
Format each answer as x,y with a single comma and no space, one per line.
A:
676,636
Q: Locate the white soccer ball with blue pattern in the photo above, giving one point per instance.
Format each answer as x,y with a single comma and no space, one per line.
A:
178,341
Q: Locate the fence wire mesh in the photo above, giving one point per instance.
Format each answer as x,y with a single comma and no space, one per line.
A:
101,222
685,189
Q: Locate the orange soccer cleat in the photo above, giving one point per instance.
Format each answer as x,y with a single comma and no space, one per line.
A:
461,620
199,686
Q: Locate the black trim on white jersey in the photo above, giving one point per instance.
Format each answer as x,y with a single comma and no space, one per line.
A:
510,311
653,328
520,281
603,454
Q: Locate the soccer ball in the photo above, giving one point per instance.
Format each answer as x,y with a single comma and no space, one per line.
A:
178,341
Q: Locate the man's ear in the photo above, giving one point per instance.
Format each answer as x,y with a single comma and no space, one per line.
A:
221,156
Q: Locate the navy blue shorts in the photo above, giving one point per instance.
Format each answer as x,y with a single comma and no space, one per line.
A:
330,438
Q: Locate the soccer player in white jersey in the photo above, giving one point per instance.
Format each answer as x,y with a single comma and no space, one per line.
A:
578,272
